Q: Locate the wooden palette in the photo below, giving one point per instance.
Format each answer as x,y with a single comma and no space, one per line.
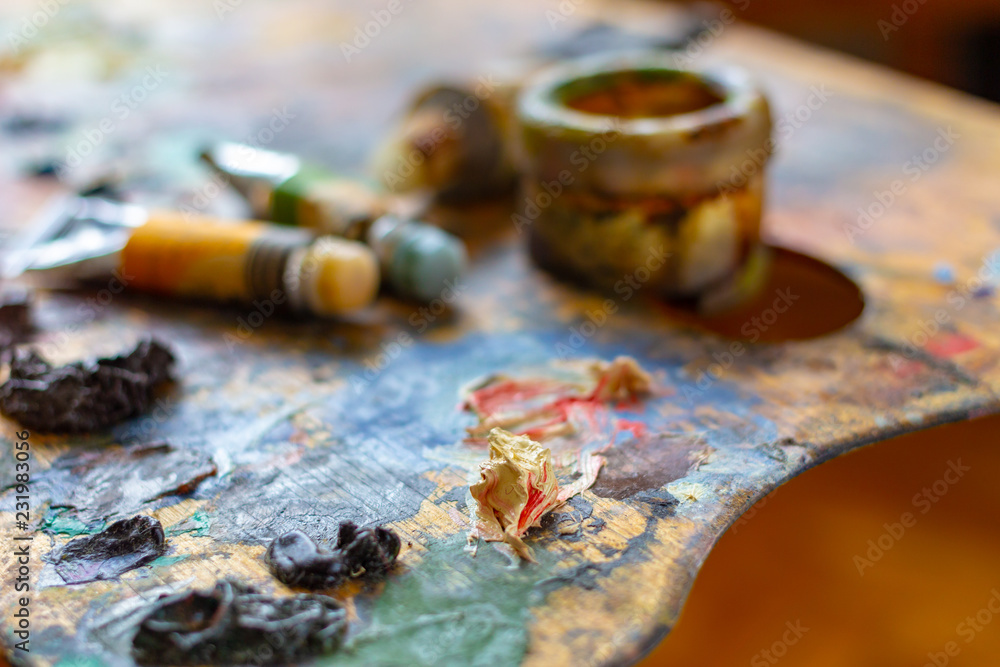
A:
310,424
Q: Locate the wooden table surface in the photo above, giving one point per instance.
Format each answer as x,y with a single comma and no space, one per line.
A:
295,444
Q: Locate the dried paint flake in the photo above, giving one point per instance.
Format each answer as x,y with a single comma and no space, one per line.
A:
365,553
620,380
518,483
234,625
517,487
116,481
122,546
544,408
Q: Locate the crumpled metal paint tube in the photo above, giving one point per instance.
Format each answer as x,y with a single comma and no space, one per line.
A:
457,139
632,167
456,142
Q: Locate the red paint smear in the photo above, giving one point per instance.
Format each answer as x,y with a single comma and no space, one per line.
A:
637,429
947,345
535,506
504,396
493,398
562,409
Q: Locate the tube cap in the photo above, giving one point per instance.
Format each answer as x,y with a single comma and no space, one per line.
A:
336,276
418,260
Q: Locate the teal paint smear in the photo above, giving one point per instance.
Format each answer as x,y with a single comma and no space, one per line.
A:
58,522
197,524
81,661
435,615
167,561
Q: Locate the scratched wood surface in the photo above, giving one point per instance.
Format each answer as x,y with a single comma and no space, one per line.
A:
296,443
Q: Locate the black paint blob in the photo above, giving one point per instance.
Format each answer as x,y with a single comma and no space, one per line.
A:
82,397
234,625
122,546
296,560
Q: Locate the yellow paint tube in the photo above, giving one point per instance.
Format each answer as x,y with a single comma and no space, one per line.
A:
246,261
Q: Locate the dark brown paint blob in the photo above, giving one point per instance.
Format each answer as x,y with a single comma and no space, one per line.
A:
234,625
122,546
296,560
646,463
83,396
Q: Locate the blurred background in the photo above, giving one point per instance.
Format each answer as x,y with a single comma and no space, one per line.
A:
792,560
956,43
810,555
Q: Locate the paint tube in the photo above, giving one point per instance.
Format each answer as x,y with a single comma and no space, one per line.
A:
456,141
417,260
169,254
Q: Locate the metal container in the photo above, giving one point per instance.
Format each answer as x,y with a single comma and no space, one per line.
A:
634,170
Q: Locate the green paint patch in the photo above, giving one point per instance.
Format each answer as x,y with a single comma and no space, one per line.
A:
81,661
197,524
167,561
60,522
451,609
